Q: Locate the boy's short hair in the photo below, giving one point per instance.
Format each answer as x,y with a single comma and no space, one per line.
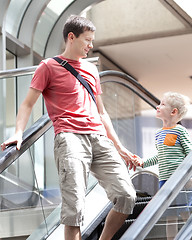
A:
179,101
77,25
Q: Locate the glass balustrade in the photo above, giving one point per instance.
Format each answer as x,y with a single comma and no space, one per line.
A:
124,108
29,192
175,216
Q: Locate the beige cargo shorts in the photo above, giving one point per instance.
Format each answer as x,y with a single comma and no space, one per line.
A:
78,154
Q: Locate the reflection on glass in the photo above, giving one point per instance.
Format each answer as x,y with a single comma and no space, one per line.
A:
26,199
121,105
58,6
176,215
14,15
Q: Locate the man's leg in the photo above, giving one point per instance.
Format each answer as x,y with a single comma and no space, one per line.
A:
72,233
112,174
72,160
113,223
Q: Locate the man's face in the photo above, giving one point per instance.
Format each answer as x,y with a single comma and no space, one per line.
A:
83,44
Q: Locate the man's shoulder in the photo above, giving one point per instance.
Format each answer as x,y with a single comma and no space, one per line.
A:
89,67
48,61
46,64
85,62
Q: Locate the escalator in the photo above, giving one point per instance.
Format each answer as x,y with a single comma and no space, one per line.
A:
146,184
31,207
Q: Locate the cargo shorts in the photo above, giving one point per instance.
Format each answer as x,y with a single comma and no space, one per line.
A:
76,155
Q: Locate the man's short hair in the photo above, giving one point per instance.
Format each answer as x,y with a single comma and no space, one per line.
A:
77,25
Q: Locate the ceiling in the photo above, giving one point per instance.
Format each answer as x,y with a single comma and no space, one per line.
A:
157,50
162,64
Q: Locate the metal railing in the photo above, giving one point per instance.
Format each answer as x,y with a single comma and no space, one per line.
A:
30,70
160,202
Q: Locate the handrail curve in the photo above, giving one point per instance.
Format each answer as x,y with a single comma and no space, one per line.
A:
134,85
9,155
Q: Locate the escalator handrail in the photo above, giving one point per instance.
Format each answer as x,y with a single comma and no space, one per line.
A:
160,202
132,84
9,155
30,70
32,134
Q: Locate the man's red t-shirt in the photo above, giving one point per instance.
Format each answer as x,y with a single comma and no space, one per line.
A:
69,105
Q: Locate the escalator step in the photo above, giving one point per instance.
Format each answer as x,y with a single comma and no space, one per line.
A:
139,206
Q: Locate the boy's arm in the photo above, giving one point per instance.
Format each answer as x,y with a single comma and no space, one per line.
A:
124,153
22,118
150,161
186,142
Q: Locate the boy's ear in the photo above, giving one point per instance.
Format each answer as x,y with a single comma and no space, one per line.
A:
174,111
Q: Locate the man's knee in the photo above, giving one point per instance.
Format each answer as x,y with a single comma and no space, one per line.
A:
125,203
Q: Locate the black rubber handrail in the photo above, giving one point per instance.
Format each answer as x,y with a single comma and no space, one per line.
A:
9,155
131,83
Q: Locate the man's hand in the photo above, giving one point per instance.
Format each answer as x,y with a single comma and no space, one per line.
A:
22,118
15,139
128,157
131,159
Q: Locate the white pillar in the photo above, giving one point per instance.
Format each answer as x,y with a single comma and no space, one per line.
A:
3,11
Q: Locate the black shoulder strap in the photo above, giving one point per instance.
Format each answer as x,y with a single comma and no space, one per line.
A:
67,66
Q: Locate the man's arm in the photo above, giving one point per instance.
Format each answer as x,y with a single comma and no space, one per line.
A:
22,118
124,153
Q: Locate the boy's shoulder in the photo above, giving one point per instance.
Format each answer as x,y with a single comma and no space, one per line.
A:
180,127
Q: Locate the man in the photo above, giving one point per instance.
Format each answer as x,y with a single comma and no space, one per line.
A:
84,136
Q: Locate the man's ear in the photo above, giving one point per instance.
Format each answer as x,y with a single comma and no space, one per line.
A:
70,36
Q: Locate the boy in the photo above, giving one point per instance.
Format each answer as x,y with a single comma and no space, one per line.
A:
84,137
172,141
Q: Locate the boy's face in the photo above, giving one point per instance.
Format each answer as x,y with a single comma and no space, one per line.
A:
82,44
164,110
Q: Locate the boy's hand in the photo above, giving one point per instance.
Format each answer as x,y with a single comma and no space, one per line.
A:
137,161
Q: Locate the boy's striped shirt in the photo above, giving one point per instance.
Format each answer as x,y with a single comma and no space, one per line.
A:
173,145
